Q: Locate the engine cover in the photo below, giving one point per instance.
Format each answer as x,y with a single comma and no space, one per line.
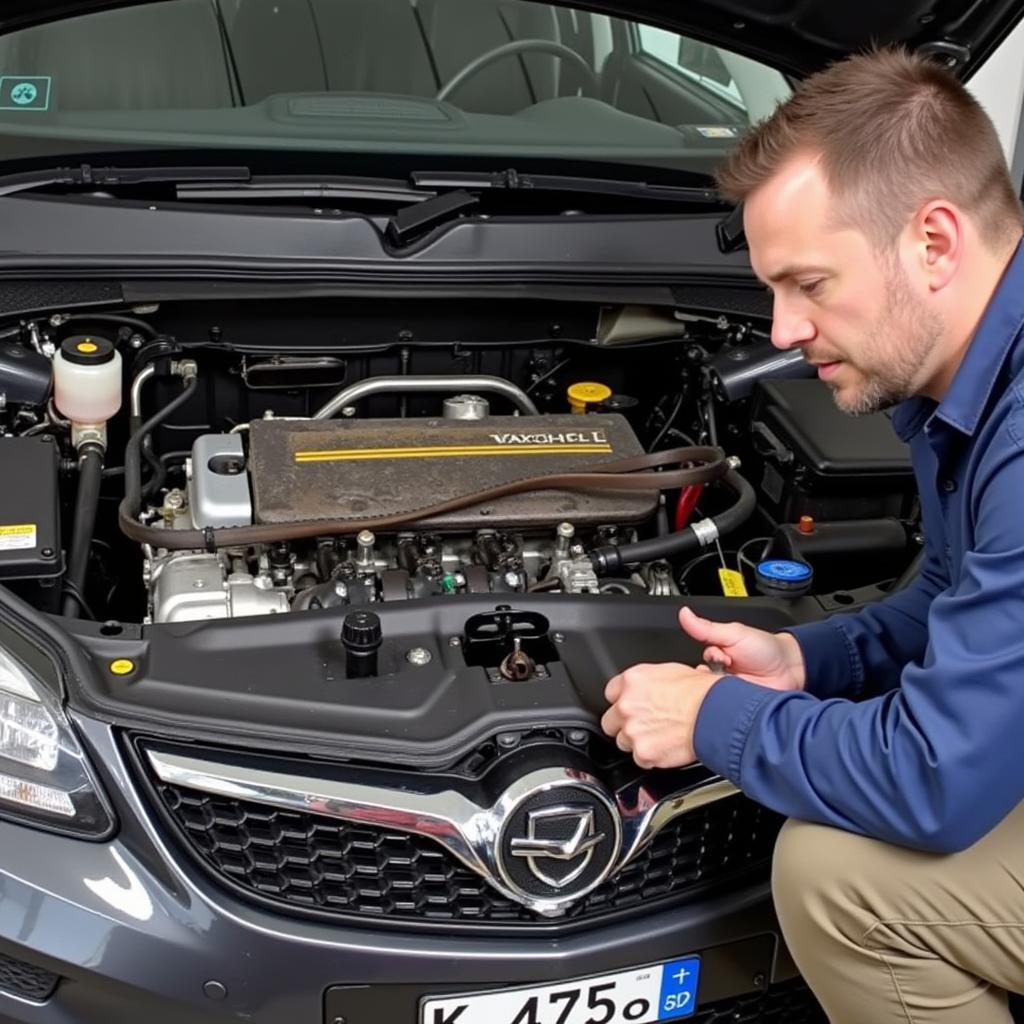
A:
362,469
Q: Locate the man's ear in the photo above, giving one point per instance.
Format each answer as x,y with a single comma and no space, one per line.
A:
937,242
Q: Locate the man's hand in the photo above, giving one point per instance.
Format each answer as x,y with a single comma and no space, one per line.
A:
654,711
768,659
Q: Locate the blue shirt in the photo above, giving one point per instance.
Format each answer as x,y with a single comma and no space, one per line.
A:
911,727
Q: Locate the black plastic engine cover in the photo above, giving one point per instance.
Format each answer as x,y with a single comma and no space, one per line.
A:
360,469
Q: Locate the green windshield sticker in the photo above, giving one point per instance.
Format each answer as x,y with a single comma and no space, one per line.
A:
25,92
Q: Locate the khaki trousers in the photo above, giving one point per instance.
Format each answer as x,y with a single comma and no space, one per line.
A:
886,935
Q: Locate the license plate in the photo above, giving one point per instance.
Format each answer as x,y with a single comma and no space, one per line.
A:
666,991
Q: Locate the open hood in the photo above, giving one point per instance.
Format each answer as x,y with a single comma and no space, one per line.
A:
797,36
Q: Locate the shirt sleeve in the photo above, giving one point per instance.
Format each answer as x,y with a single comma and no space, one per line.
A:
863,654
934,764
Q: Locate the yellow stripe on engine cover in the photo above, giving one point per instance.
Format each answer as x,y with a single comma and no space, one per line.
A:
451,451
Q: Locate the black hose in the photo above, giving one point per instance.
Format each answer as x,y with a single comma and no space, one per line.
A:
90,476
133,450
159,470
613,558
140,326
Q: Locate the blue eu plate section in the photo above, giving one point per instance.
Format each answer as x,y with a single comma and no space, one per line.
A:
25,92
679,989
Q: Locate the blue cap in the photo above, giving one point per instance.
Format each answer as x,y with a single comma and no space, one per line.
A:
783,570
783,575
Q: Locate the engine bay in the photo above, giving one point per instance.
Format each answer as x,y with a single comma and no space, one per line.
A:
192,461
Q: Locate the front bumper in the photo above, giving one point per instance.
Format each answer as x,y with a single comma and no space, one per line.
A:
134,932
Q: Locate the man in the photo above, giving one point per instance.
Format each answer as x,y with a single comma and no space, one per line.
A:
880,213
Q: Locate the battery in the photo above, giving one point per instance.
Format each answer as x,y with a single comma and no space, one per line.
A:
31,563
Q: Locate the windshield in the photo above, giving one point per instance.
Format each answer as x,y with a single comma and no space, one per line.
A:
426,77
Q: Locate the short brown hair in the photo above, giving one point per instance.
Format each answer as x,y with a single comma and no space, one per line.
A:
892,130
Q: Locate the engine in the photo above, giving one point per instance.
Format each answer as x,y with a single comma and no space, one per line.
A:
199,465
279,472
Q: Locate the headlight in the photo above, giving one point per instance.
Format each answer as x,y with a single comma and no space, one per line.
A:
45,779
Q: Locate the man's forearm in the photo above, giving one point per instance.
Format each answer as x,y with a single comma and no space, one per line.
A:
862,654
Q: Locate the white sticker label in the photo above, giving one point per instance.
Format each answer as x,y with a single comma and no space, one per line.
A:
13,538
718,132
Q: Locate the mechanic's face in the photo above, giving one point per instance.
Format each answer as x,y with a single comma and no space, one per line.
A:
855,313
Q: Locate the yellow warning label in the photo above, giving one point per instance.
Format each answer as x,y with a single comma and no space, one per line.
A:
732,583
122,666
88,347
14,538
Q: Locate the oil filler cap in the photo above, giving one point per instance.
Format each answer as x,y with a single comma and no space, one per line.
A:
783,577
587,393
87,349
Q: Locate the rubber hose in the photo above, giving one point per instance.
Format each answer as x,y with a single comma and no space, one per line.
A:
613,558
137,325
133,450
90,476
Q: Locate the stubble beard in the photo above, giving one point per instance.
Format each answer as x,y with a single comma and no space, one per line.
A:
896,349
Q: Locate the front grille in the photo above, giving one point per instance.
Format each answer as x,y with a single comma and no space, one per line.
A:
789,1003
18,978
322,864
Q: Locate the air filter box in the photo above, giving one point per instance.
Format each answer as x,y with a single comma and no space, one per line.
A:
811,458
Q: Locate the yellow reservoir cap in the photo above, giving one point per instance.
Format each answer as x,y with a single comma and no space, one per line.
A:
122,666
587,393
88,346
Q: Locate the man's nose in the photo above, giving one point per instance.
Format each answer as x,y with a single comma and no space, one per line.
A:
790,327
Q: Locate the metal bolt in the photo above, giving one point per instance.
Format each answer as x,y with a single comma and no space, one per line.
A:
47,552
454,641
174,500
341,589
364,557
759,981
508,740
348,411
559,638
198,584
339,1020
577,737
566,530
511,579
418,656
135,341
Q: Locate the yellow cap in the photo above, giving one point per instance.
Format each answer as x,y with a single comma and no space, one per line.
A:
87,346
587,393
122,666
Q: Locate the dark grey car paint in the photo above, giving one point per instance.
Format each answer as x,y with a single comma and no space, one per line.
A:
137,933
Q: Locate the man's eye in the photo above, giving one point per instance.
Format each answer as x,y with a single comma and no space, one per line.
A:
811,287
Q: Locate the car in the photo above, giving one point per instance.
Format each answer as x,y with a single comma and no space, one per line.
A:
378,379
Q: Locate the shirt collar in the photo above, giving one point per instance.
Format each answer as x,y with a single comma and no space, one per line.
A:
992,343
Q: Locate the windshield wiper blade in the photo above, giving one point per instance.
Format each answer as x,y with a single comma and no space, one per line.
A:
86,176
301,187
514,181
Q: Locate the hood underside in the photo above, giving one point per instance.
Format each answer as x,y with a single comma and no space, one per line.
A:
797,36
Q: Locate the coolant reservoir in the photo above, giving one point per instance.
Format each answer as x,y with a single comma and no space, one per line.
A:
87,379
